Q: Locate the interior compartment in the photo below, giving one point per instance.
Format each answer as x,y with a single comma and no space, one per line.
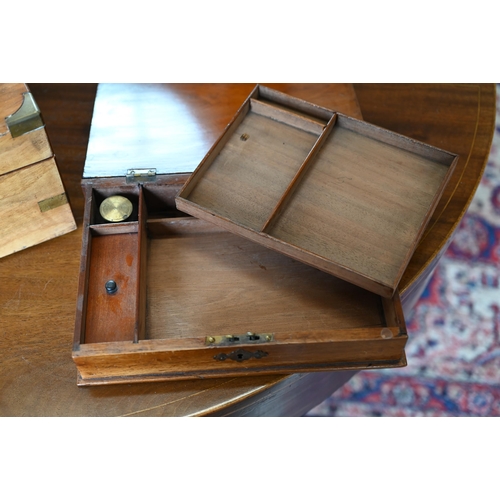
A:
187,278
205,281
130,192
115,253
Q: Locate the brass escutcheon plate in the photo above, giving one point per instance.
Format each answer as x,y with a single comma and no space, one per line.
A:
116,209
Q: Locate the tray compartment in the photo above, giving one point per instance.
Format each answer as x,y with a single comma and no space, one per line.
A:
247,171
248,177
363,204
355,205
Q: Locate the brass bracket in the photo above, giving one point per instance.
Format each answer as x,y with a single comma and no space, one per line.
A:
26,119
53,202
141,175
231,340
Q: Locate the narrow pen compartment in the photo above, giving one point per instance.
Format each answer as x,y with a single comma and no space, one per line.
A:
112,287
115,309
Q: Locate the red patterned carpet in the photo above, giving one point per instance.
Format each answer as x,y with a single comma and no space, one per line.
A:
454,331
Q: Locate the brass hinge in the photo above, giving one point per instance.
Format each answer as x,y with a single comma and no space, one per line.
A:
26,119
141,175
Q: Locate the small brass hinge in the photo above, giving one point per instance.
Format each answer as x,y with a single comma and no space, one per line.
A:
26,119
141,175
247,338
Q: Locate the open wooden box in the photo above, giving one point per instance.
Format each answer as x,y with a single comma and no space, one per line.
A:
213,298
196,301
339,194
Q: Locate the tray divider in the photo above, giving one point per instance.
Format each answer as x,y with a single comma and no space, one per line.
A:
300,173
115,228
80,323
393,139
142,247
279,98
308,124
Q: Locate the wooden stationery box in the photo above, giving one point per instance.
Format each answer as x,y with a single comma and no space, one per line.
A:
195,300
339,194
33,204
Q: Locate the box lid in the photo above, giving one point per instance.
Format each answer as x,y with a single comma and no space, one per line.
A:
137,127
33,203
334,192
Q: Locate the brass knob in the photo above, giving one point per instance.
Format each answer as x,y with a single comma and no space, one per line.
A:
116,209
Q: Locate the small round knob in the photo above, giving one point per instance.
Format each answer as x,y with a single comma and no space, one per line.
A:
116,209
111,286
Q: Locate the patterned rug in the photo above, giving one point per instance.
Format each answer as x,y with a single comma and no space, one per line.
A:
454,330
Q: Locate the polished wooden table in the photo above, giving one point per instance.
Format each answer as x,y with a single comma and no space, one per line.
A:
38,286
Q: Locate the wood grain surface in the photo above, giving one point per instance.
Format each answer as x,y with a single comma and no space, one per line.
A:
23,222
38,287
279,291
